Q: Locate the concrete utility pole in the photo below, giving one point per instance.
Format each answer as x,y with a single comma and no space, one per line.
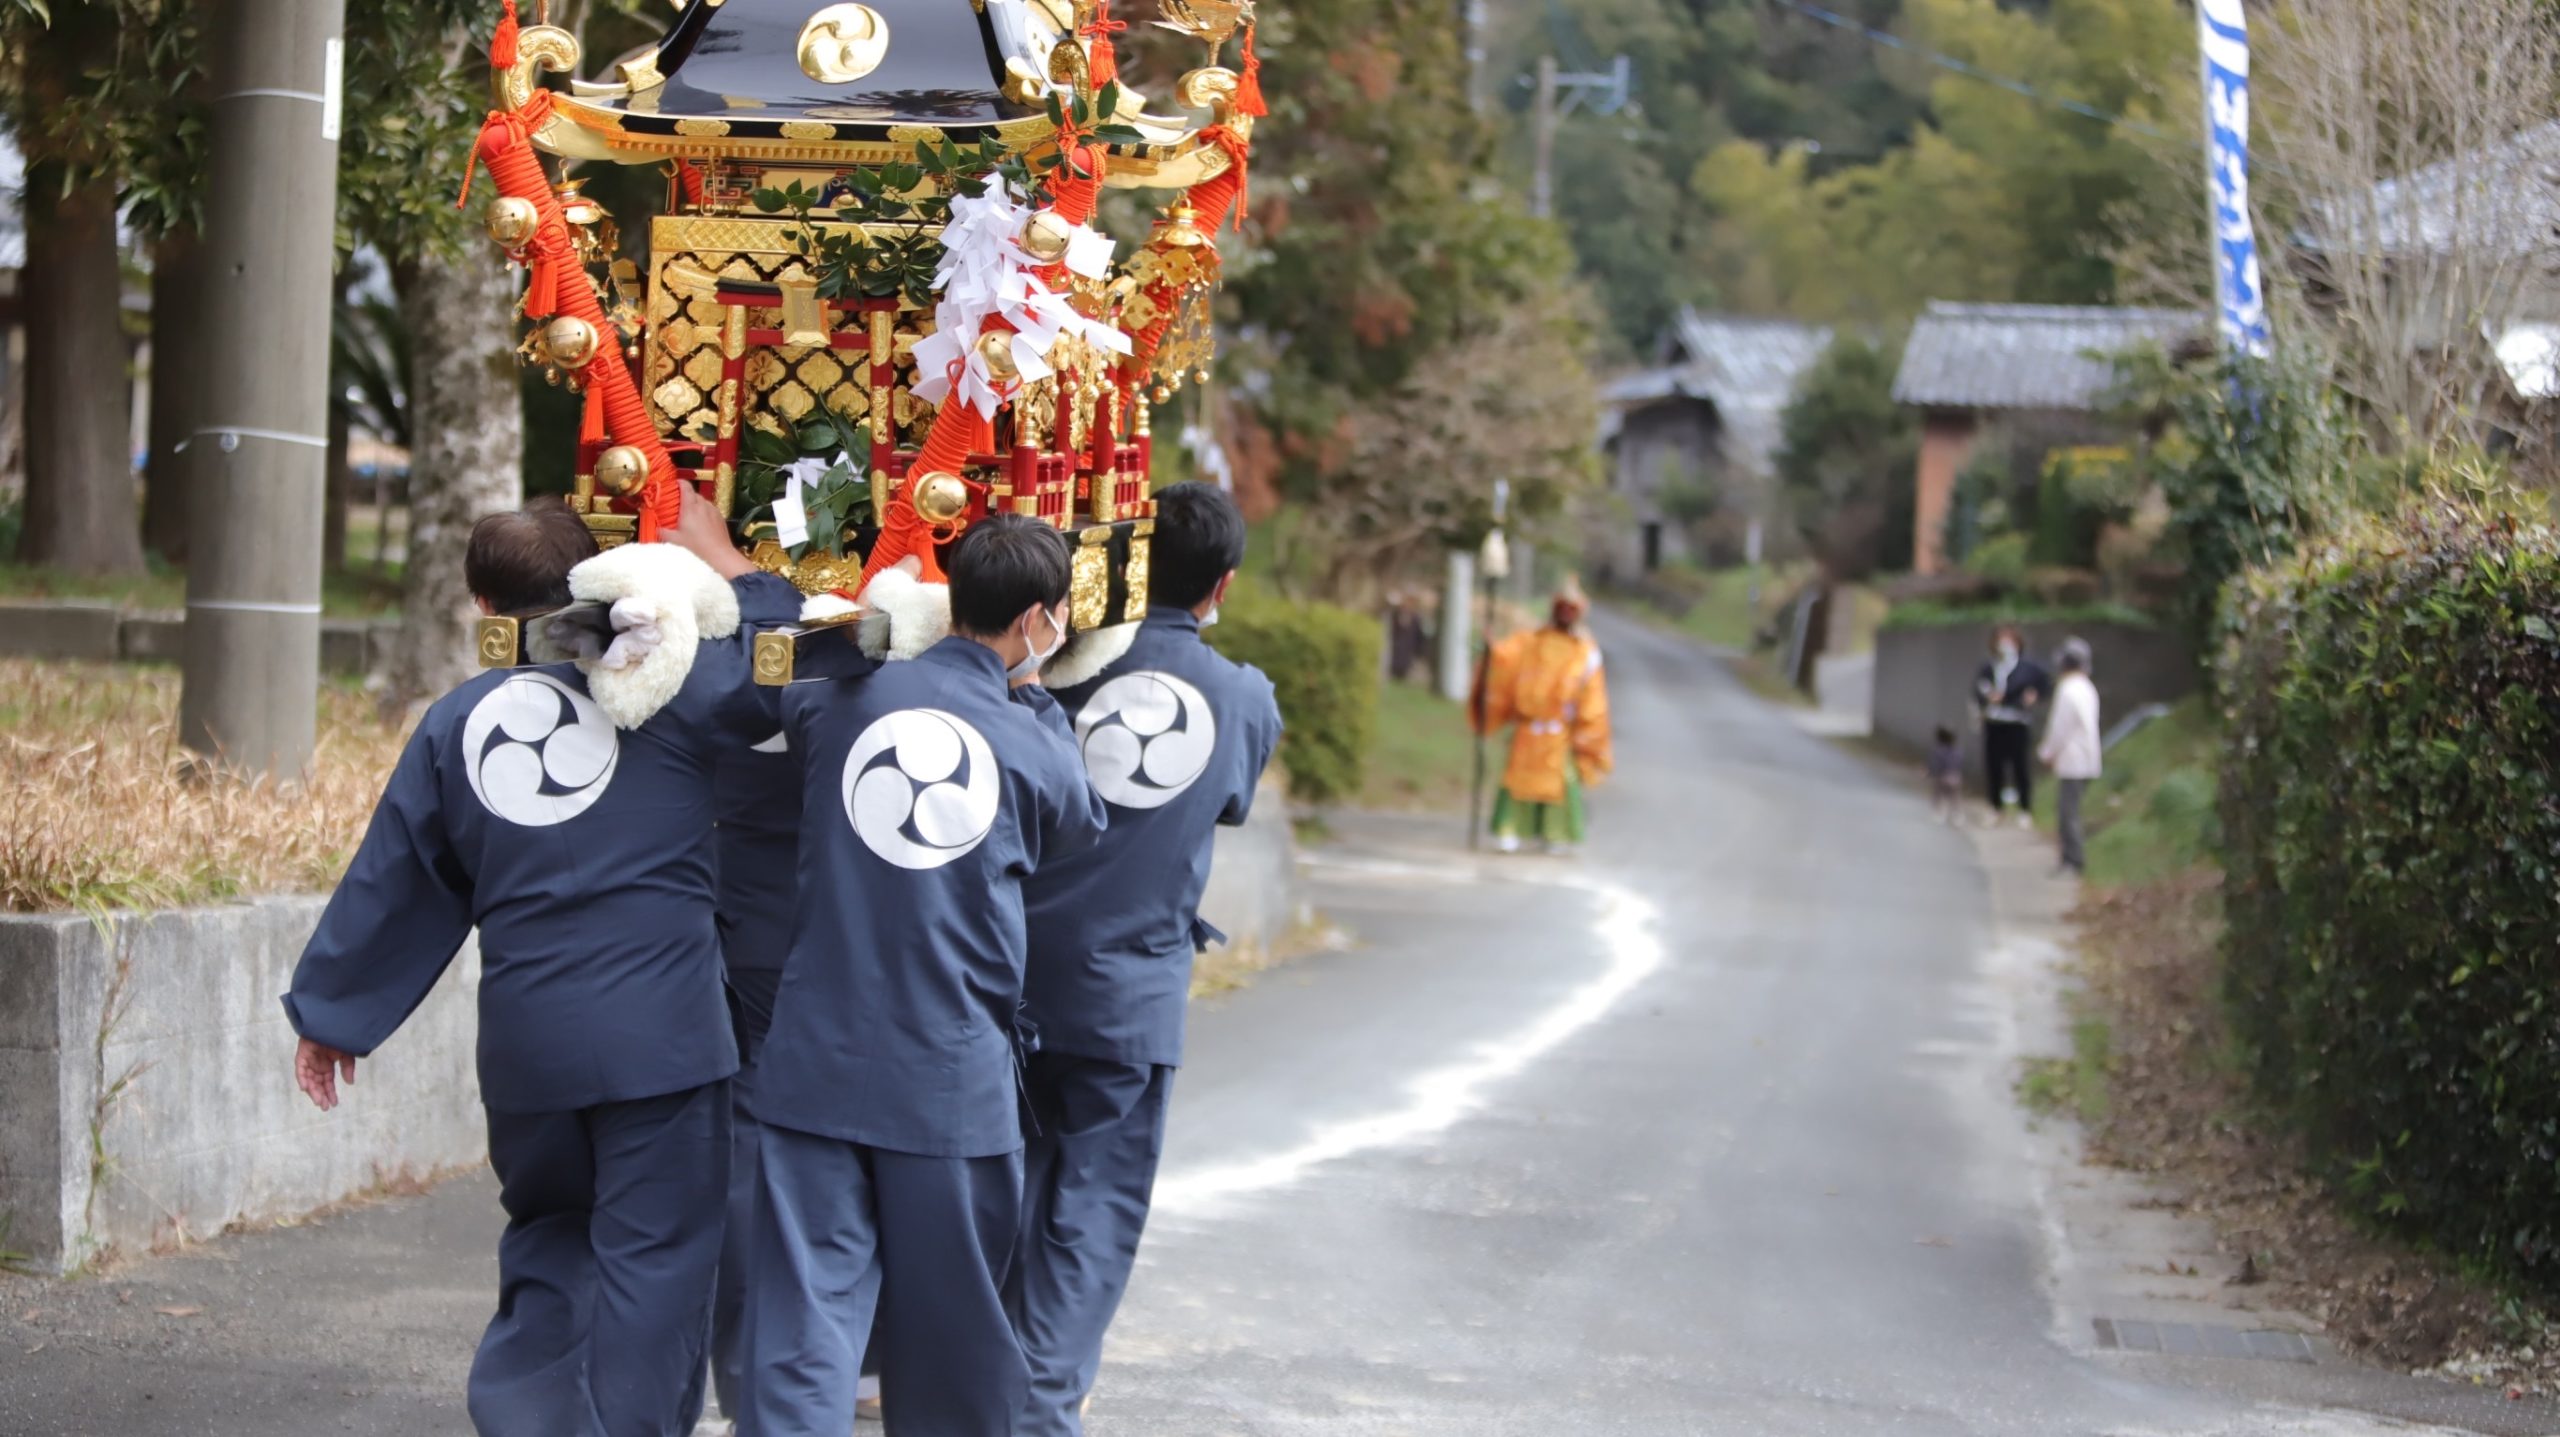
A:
1560,95
257,458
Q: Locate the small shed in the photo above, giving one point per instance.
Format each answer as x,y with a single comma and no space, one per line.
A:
1704,420
2045,363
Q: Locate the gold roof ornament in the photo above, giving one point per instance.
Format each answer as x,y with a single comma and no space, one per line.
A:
734,80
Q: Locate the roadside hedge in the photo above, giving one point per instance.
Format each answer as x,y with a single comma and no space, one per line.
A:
2390,815
1323,664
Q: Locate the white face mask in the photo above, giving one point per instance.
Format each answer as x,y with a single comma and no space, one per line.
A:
1211,620
2008,652
1032,659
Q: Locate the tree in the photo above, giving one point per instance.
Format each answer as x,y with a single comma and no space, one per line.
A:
417,64
1411,336
2410,147
1829,183
1844,460
62,82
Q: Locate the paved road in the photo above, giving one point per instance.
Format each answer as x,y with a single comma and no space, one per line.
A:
1708,1132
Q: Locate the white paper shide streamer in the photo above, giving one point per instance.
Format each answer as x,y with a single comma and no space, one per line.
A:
985,271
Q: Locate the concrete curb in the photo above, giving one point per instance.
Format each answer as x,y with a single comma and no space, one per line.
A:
100,631
2135,1280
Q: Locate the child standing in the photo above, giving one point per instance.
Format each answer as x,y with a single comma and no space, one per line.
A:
1946,777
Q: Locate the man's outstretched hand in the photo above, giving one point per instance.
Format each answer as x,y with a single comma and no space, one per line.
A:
700,529
317,1068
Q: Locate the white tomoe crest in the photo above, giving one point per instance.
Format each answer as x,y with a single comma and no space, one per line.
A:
1146,737
779,743
537,751
921,787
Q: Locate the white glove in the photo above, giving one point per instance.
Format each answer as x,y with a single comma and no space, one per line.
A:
635,633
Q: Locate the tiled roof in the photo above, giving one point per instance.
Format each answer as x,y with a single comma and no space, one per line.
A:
1747,368
2504,196
2026,356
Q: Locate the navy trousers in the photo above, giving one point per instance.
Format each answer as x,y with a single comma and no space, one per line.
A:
844,1232
1087,1177
613,1230
751,992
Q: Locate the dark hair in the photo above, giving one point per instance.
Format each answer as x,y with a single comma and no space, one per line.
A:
1002,566
1946,735
1199,540
519,560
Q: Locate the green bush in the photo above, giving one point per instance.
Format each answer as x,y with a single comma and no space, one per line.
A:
2001,559
1939,613
1323,664
2390,817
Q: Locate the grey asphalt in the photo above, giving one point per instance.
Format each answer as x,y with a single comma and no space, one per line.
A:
1706,1131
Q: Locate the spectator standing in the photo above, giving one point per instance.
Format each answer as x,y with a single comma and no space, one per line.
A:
1406,640
2073,748
2007,690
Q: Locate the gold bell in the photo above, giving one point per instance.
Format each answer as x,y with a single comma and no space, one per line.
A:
511,220
940,498
996,348
1046,235
622,469
570,341
575,207
1179,229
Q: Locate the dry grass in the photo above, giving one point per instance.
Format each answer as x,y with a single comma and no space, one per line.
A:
99,813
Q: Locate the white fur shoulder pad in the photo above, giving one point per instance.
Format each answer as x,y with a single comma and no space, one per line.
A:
904,617
658,584
830,605
1087,654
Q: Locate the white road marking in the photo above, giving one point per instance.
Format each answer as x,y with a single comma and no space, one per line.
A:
1435,1100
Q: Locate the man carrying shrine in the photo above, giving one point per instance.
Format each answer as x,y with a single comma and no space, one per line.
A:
1546,685
564,811
888,1092
1174,738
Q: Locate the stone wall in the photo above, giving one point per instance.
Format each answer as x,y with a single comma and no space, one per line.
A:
1924,675
103,632
1253,879
160,1036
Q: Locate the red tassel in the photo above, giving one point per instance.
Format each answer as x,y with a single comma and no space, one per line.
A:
1249,89
1102,61
591,422
502,45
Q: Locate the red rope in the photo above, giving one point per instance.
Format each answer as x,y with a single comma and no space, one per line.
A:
1211,197
556,287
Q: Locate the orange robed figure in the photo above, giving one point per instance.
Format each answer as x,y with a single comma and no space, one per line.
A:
1547,684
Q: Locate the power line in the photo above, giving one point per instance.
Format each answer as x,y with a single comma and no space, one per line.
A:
1946,61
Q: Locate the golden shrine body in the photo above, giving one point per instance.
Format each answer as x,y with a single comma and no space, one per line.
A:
764,341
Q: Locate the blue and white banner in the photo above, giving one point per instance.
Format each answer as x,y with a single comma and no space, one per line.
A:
2222,34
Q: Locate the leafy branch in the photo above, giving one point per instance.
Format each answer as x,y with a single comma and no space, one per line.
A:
913,197
836,501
